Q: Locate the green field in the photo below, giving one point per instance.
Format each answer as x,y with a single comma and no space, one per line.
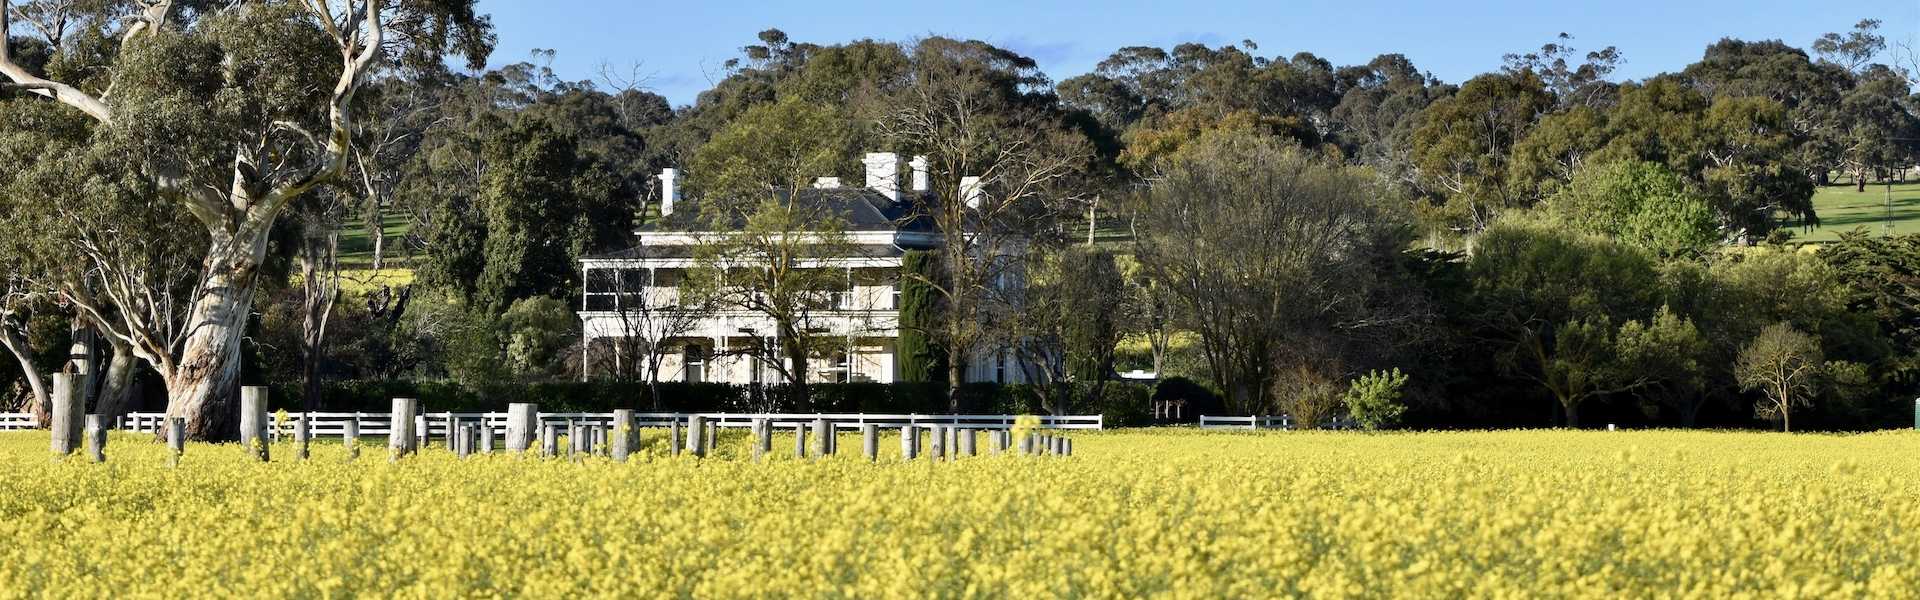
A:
1841,209
356,245
1172,512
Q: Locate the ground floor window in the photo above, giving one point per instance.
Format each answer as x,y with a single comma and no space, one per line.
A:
695,359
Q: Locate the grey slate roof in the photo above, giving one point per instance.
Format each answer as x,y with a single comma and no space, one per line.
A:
863,210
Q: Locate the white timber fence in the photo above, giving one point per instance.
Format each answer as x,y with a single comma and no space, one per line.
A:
1265,422
12,421
333,424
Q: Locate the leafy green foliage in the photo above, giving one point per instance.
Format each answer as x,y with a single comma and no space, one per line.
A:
1641,204
1373,399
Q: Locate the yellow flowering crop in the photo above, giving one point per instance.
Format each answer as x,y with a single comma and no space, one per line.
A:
1155,513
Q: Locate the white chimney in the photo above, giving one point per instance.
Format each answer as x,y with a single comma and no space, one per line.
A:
827,183
919,164
971,192
883,173
669,190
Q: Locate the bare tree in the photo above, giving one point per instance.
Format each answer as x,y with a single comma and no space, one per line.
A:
15,308
998,176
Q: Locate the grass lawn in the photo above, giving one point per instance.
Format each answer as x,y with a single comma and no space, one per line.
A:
356,242
1841,209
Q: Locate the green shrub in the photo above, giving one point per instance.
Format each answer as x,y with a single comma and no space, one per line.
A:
1373,400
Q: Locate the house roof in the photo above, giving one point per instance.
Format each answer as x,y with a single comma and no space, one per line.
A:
861,208
685,251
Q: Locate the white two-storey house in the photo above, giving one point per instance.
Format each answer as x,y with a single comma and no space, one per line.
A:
633,293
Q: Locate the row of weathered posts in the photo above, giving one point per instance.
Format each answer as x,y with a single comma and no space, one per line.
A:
407,433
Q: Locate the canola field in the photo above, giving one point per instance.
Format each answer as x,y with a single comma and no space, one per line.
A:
1156,513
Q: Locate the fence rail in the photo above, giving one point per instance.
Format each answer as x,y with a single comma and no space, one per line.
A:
1267,422
11,421
436,424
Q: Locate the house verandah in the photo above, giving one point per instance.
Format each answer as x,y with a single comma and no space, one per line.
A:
631,301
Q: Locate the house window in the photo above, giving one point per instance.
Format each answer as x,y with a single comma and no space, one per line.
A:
695,358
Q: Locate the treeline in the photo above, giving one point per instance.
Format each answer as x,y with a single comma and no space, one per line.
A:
1537,245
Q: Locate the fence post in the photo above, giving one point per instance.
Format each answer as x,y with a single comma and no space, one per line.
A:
870,441
303,434
66,415
713,434
400,428
350,437
1069,447
97,437
486,436
549,440
969,443
762,438
800,440
937,444
522,419
673,435
176,439
621,443
822,442
422,430
908,442
696,438
253,420
457,437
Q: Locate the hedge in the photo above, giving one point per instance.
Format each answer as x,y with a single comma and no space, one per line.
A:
1123,403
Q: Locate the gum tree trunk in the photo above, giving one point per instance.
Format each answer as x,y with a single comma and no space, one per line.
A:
116,391
203,383
39,406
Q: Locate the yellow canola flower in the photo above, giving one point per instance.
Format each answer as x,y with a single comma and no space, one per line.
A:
1150,513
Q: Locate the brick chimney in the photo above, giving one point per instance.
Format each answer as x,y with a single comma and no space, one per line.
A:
919,164
970,191
669,190
883,173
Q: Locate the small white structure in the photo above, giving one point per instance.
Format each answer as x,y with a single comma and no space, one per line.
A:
632,294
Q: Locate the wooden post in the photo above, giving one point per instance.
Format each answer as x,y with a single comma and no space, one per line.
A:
713,434
549,440
621,444
937,443
253,420
457,437
823,438
908,439
523,419
762,439
673,436
67,415
968,442
350,437
401,436
97,437
1069,447
486,436
422,430
303,435
696,438
176,440
997,440
799,440
870,441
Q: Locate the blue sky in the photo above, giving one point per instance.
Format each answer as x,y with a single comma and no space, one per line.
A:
682,45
